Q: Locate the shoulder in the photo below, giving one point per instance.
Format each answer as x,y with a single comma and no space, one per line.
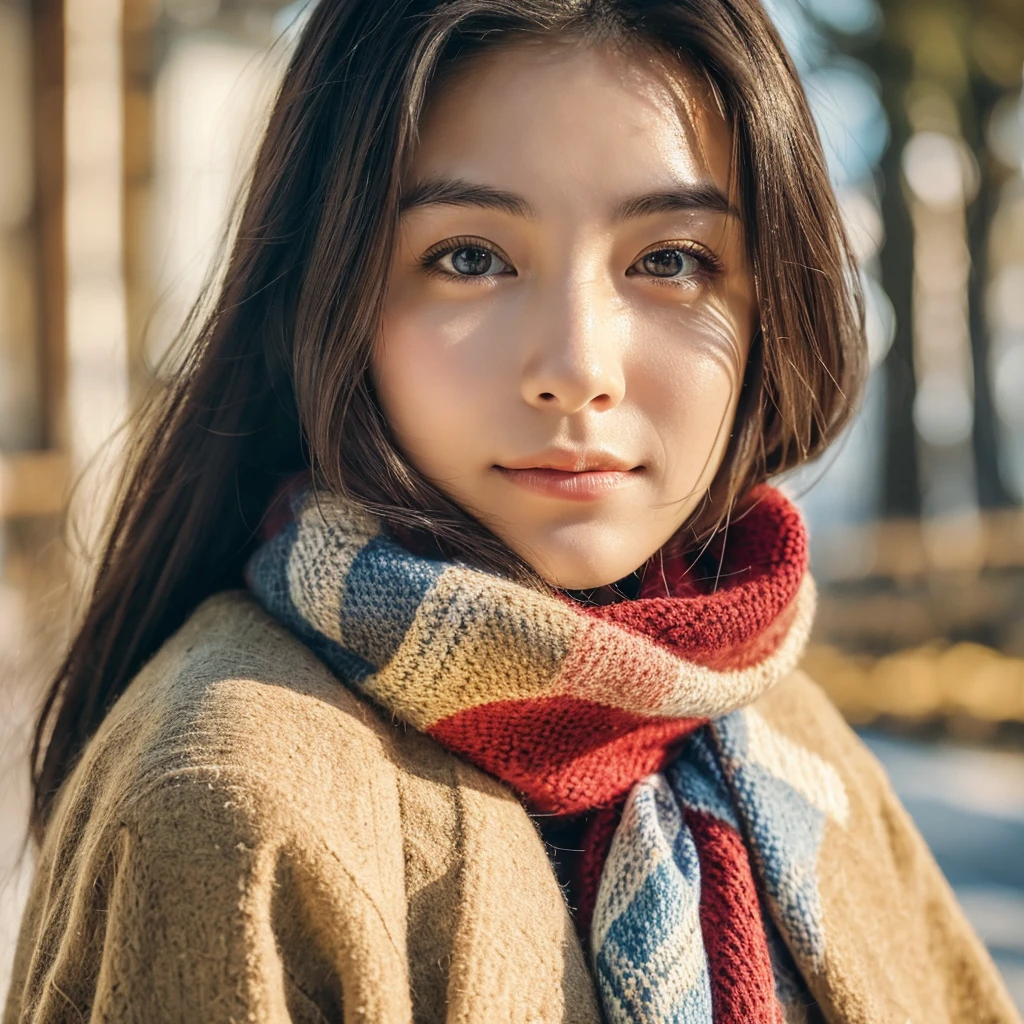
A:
234,686
879,904
798,726
235,752
234,674
799,709
236,722
864,836
235,820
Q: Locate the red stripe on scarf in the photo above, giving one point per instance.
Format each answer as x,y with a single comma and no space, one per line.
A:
563,754
739,964
742,611
586,872
742,983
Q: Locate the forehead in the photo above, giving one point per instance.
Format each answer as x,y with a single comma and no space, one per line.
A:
575,121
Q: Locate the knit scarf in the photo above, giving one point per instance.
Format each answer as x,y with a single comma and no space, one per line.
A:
627,709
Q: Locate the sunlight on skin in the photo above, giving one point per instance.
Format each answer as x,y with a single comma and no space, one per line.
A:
565,321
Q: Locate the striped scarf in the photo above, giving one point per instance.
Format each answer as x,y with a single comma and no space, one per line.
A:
629,710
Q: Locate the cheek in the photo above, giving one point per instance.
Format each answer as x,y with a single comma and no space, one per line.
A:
692,391
407,376
447,341
429,385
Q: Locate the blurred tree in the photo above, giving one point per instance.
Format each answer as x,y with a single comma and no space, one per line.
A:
973,50
888,53
994,40
901,484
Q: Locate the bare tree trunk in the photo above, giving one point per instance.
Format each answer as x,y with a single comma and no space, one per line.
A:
992,492
48,142
901,492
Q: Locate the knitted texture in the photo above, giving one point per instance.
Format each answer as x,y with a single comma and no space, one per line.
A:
245,839
637,709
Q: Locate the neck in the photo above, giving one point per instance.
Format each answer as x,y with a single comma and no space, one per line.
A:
625,589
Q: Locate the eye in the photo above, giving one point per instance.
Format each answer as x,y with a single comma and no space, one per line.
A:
475,261
670,263
676,264
458,258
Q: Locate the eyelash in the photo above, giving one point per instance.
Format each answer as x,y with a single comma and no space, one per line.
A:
710,263
429,260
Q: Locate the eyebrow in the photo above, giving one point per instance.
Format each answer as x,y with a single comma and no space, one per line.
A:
459,192
702,195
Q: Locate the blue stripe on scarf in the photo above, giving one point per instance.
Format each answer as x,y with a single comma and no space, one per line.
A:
697,780
264,576
713,774
639,938
661,923
384,587
784,832
789,869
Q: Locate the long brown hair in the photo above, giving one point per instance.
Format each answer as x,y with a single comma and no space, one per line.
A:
275,378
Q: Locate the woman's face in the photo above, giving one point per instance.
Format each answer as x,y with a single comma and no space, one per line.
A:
570,305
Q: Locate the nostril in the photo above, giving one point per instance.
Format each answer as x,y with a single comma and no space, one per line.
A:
547,396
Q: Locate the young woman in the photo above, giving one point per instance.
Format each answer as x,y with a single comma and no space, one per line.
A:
442,663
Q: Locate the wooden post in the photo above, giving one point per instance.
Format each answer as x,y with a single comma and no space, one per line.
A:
97,378
34,483
138,70
48,129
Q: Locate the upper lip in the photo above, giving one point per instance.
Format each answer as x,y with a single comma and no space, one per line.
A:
570,461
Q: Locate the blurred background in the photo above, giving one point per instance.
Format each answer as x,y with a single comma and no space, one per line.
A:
125,128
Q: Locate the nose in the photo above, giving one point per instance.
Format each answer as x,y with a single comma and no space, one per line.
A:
574,356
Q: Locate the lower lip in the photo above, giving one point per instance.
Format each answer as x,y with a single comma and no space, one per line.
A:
557,483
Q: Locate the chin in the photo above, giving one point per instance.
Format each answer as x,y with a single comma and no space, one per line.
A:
583,560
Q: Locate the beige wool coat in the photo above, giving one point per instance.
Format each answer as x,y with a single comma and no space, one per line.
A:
245,840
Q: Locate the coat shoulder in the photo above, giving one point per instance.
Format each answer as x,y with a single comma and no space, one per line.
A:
800,710
244,819
233,695
897,944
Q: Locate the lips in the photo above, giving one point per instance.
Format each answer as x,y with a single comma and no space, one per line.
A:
597,477
568,461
